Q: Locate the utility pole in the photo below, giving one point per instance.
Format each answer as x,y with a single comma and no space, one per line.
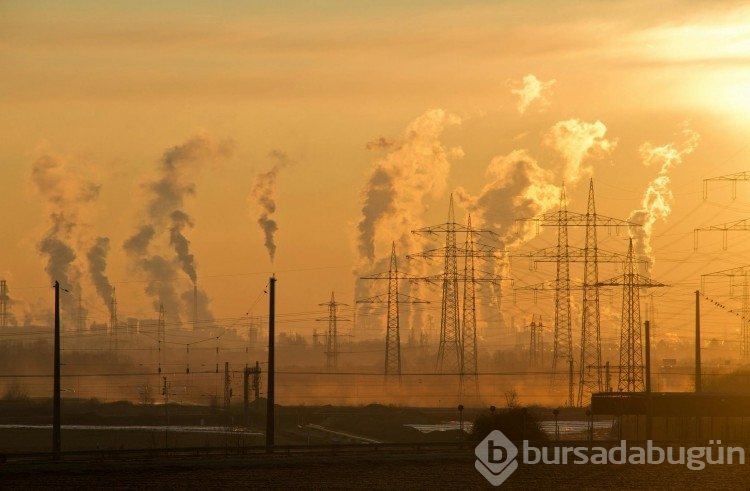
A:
271,365
113,321
697,341
161,335
56,385
227,387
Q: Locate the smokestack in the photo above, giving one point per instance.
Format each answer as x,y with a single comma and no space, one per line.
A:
195,307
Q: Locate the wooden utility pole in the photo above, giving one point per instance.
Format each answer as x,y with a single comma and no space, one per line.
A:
270,390
56,384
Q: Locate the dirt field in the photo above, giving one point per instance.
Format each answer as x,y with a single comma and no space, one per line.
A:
350,472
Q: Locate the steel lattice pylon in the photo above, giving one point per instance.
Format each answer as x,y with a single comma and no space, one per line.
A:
631,346
562,356
332,338
450,330
469,373
563,255
536,343
392,299
742,272
392,336
631,377
457,351
591,351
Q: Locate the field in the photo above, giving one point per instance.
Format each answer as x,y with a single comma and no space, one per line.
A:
118,428
347,472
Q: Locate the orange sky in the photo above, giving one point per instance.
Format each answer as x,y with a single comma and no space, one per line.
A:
103,91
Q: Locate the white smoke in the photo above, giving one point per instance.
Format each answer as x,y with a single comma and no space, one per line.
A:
416,166
576,141
529,90
657,200
518,188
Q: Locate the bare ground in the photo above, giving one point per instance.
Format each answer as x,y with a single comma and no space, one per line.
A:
352,472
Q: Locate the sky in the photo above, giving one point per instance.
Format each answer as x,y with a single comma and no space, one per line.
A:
147,145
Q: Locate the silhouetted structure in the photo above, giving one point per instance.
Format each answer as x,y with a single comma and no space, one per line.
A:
589,367
332,339
631,377
4,304
457,348
393,299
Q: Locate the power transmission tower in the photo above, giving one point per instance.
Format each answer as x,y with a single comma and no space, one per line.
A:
742,272
733,178
563,255
450,330
631,345
591,349
332,339
457,350
392,299
469,371
81,315
4,304
536,343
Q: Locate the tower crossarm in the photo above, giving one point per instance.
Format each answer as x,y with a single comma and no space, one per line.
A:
736,226
390,275
733,178
480,251
731,273
573,219
383,298
454,227
479,277
640,282
574,254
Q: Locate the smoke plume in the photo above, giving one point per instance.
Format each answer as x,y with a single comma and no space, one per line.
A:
529,90
416,166
97,258
577,140
656,202
159,248
518,188
264,193
66,194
